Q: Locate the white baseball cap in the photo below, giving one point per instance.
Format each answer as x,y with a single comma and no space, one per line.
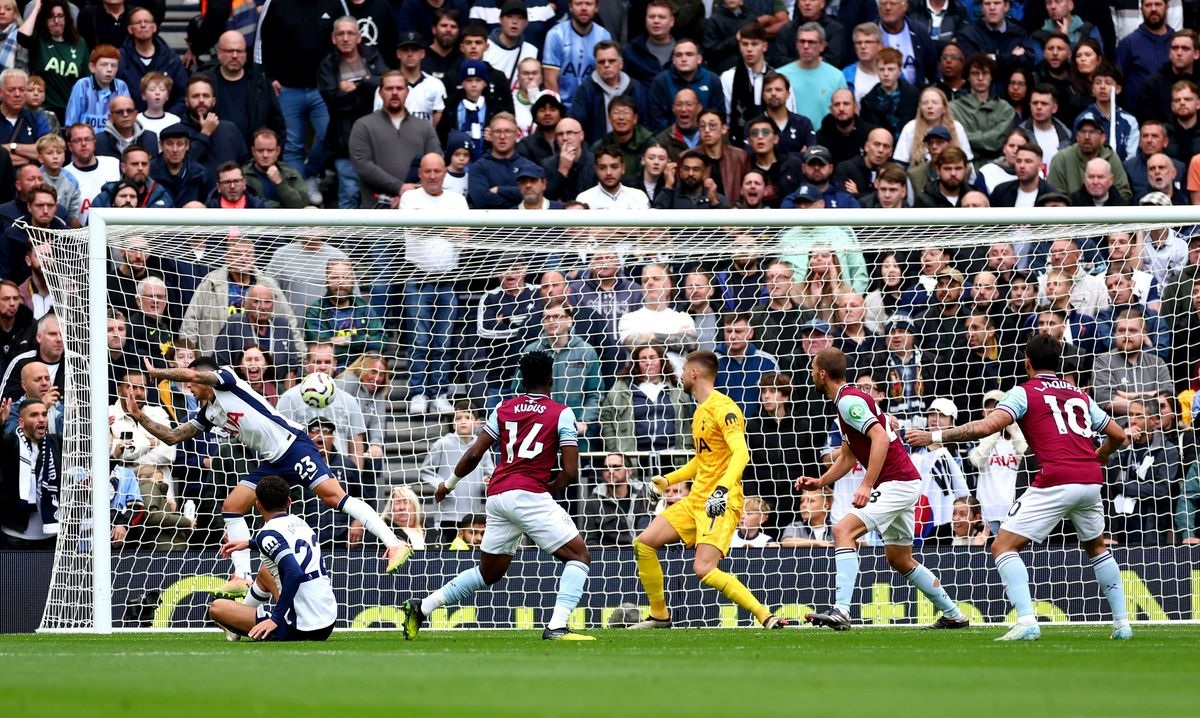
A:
994,395
945,407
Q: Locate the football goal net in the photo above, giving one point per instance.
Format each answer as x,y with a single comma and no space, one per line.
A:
421,319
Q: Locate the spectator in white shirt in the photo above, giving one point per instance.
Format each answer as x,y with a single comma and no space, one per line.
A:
609,193
656,322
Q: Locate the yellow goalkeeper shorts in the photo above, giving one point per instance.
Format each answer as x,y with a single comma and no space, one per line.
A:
695,527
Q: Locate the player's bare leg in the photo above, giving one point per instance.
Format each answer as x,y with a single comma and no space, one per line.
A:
1108,575
491,569
332,494
1014,575
900,558
234,617
845,557
659,533
576,567
708,557
233,512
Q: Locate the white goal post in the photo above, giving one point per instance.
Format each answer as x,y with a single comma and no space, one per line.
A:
82,588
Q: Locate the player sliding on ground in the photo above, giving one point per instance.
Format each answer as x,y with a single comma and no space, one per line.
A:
227,403
1060,422
532,430
708,517
291,572
883,502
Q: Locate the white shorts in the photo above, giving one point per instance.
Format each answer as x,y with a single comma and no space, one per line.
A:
536,515
1035,514
890,511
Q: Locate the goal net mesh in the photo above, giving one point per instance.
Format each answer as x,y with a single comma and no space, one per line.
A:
423,328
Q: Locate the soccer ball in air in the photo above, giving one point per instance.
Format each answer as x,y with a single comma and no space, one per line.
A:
317,390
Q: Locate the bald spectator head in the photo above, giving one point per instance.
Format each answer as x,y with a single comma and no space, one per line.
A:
878,148
122,113
843,107
35,380
432,172
568,133
553,286
1160,172
231,53
686,108
1097,178
974,198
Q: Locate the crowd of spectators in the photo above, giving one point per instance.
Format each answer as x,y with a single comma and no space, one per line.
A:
500,104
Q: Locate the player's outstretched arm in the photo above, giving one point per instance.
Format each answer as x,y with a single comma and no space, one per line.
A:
843,462
988,425
1114,438
466,464
187,376
163,433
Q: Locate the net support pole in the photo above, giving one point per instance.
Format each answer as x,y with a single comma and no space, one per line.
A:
98,421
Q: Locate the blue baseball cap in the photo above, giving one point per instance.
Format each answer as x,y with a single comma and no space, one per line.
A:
531,171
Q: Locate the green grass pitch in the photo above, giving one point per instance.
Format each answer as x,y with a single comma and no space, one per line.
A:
1072,671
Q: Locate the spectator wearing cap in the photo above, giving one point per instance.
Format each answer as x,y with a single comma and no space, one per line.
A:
986,117
609,192
939,328
908,373
817,166
426,93
385,143
531,181
568,53
592,105
1098,190
493,179
508,44
741,365
473,109
942,479
474,43
1162,176
842,131
458,153
174,170
691,186
687,71
818,78
243,91
540,144
948,188
348,80
1068,167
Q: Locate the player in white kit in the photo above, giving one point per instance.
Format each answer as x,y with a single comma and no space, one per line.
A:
230,406
292,573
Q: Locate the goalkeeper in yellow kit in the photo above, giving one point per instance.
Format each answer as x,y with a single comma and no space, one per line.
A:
708,517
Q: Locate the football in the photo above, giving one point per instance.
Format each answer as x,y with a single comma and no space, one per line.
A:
317,390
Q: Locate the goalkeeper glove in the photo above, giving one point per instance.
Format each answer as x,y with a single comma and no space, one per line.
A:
660,484
718,500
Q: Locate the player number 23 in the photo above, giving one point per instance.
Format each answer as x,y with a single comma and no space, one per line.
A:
306,468
1075,410
529,448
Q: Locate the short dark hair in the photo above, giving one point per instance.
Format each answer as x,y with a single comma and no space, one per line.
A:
623,101
763,120
135,147
752,30
610,151
205,363
537,370
1044,352
1045,88
832,361
201,77
470,520
273,493
981,59
694,155
228,167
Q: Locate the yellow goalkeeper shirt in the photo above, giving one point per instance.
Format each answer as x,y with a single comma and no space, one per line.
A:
719,434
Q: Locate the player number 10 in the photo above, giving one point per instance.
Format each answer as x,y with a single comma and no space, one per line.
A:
1074,420
529,448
